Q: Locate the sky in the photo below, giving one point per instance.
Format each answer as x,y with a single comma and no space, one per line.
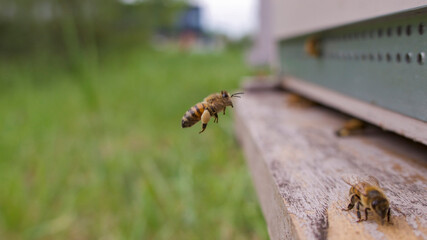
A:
235,18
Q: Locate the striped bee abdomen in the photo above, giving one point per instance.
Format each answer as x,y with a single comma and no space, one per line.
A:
193,115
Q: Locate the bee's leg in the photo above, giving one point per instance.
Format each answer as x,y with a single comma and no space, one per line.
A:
351,204
388,215
206,116
366,213
216,118
358,211
203,128
359,217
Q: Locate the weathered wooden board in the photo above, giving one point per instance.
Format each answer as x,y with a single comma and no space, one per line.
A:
297,163
393,121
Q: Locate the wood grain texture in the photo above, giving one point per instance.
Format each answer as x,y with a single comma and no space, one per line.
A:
297,163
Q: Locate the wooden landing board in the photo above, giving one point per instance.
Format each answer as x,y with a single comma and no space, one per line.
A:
297,163
396,122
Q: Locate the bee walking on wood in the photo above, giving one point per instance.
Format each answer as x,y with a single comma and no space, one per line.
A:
350,127
210,106
368,194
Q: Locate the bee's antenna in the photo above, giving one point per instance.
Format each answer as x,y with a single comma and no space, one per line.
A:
236,94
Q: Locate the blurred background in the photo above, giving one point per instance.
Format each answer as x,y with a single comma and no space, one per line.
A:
92,94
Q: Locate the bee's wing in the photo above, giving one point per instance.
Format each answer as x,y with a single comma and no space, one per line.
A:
211,98
350,179
372,181
360,182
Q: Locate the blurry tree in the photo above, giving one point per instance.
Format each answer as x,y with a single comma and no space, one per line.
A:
75,30
27,25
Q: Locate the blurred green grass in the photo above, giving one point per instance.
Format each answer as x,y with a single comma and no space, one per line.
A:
117,164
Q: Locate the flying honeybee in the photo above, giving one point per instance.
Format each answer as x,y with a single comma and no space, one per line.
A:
368,194
210,106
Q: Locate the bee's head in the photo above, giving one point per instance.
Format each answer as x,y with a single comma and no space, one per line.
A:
227,97
381,207
225,94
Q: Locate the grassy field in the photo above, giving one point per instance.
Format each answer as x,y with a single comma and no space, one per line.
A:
96,151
